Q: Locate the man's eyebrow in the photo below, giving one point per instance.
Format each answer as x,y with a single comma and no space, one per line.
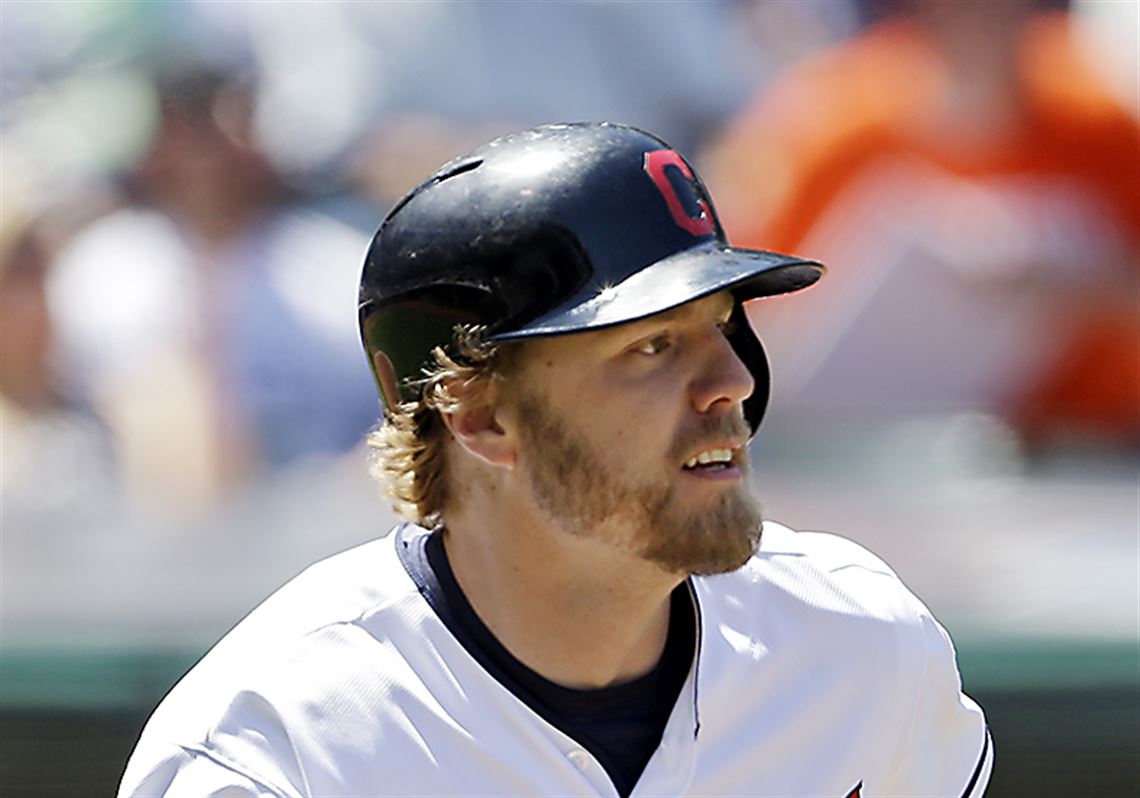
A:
682,311
726,304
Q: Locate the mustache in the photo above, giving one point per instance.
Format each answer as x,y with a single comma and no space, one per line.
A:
710,429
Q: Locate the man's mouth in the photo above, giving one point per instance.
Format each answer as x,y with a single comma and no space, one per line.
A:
710,460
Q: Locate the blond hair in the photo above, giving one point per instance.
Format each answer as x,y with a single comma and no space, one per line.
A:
408,452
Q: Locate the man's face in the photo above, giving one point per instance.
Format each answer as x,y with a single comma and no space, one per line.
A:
613,425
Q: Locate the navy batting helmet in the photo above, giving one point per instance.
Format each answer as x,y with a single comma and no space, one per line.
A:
555,230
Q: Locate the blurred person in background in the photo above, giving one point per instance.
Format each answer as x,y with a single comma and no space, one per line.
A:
974,185
59,465
206,317
402,86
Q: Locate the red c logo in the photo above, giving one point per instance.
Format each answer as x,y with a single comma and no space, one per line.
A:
656,163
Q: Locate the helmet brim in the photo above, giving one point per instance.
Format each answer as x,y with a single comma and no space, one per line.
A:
671,282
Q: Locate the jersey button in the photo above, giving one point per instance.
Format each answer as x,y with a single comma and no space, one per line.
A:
579,759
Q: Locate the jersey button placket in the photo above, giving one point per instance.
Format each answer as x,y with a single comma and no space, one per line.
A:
594,773
580,760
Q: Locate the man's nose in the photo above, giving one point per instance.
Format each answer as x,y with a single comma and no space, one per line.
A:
722,379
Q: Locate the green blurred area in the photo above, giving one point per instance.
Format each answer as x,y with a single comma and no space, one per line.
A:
1065,716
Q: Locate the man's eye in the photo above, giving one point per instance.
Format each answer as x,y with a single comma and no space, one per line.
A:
653,346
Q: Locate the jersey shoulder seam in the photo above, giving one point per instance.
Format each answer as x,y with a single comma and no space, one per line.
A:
219,759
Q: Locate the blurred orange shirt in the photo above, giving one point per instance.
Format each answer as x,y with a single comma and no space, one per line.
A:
818,131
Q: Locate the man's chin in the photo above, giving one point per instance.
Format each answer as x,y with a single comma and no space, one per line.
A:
704,547
724,565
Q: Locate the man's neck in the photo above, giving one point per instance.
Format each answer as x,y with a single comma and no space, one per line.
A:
580,612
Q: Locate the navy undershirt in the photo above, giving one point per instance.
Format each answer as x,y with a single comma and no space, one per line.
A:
620,725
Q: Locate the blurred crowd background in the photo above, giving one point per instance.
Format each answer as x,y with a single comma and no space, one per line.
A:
188,188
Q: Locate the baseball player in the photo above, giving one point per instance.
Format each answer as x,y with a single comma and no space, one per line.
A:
585,601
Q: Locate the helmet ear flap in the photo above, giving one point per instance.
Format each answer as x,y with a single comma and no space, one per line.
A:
748,348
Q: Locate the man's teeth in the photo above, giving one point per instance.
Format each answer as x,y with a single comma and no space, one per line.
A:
710,456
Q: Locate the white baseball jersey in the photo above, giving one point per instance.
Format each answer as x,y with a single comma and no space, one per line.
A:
816,673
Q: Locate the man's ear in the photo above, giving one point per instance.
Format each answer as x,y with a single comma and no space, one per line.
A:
473,420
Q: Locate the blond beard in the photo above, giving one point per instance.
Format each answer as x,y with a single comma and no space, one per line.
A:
574,485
